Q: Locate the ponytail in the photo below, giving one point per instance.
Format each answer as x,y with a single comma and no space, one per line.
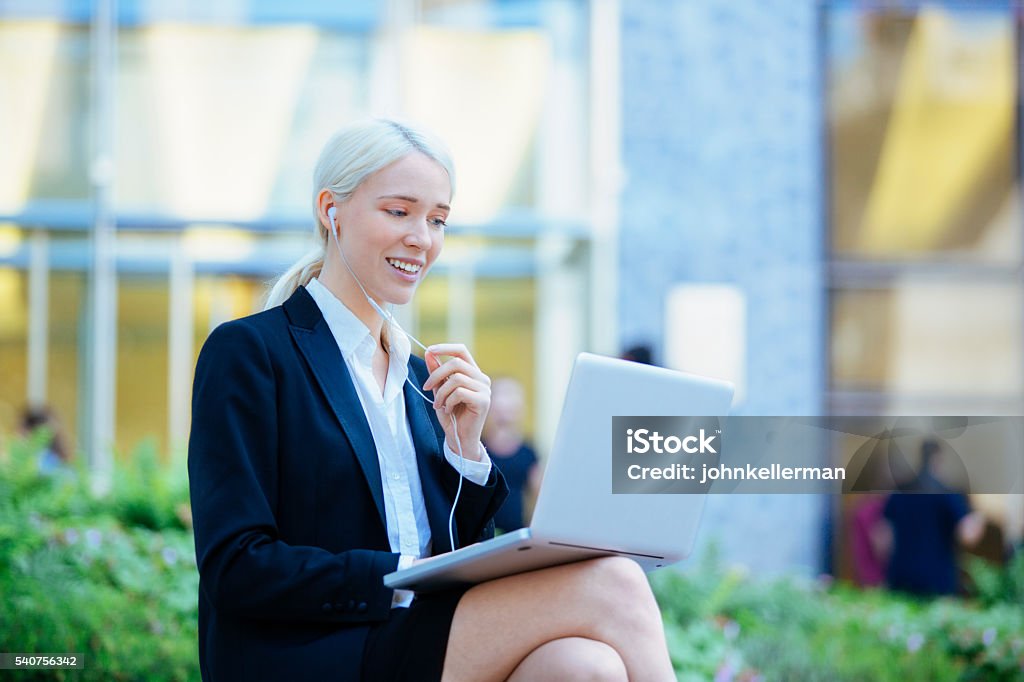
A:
298,275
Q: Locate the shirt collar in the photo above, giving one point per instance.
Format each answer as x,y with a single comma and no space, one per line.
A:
348,330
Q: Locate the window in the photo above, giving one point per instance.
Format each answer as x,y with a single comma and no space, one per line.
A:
925,212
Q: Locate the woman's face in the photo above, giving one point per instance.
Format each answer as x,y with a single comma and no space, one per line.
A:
392,227
506,402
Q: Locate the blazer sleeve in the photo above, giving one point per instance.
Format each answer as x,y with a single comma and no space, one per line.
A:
244,566
474,515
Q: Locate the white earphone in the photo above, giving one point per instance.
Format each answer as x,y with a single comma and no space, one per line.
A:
390,319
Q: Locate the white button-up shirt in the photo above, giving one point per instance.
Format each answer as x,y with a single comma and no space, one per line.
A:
404,508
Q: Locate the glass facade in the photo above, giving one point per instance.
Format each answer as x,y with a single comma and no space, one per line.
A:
13,343
927,337
922,108
925,215
45,128
66,357
219,115
924,223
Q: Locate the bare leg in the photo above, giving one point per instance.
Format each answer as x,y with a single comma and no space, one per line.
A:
571,658
607,600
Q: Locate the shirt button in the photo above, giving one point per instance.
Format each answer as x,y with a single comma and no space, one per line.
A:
396,476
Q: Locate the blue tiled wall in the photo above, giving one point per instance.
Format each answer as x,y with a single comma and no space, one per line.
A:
722,146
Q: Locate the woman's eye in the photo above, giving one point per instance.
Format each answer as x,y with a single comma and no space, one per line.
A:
397,212
438,222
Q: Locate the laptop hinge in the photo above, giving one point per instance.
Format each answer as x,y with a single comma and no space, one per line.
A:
603,549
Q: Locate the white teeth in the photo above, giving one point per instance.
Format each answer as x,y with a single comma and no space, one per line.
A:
403,266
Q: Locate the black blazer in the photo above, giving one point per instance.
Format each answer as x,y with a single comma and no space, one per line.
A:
287,500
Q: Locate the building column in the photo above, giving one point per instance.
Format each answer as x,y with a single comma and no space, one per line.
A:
102,367
606,175
38,316
180,346
562,302
560,329
462,303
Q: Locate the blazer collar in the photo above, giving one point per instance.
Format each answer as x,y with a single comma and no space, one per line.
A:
302,311
316,342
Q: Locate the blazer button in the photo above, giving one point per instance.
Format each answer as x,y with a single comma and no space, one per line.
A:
362,607
327,608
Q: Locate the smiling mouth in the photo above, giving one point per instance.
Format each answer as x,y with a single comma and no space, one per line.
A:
402,266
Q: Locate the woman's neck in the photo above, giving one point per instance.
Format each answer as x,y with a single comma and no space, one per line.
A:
504,440
346,290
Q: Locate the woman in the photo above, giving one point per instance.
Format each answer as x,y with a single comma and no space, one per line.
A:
316,469
53,459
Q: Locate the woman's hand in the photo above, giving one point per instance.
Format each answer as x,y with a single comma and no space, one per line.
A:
462,390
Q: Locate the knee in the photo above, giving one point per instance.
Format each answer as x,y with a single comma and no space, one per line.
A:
621,578
619,586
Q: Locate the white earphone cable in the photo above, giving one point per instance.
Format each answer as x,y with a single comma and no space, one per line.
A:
390,319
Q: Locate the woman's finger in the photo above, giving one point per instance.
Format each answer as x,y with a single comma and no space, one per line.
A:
455,350
442,372
443,395
449,369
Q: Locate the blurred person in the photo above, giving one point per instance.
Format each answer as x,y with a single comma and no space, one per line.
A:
517,461
315,471
868,540
925,522
640,353
54,457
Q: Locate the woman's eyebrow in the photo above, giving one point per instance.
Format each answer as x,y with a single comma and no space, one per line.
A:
411,200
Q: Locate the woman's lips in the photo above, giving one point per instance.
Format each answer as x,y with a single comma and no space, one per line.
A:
407,270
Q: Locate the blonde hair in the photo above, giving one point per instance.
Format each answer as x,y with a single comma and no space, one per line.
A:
351,155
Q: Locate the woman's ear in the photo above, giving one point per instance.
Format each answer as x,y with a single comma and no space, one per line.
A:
327,210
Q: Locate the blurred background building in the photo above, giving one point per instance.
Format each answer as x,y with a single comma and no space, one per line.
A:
817,201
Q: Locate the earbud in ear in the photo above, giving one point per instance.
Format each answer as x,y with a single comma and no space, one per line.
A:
331,212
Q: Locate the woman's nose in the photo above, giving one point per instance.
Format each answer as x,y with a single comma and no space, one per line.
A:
418,234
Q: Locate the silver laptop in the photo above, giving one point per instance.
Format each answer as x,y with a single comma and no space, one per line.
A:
577,516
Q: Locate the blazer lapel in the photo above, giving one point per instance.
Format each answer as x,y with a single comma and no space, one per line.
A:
314,339
428,459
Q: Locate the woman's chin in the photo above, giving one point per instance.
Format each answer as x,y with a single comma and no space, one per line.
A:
399,295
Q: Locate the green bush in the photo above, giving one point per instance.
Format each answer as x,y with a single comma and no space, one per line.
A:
994,585
113,578
721,625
